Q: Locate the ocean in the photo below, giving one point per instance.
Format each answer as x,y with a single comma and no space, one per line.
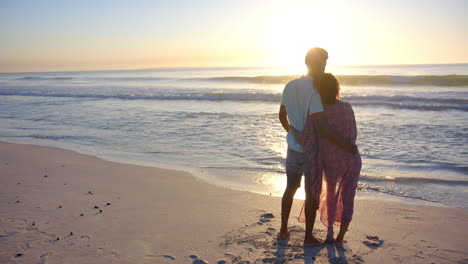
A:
221,124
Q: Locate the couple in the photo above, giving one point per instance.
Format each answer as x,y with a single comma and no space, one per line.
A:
321,144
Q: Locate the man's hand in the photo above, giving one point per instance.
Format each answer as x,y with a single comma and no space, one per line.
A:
351,148
297,135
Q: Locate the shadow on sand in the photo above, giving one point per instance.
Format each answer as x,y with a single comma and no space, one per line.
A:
311,254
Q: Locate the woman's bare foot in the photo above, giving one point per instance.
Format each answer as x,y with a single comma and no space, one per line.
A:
341,234
339,244
339,240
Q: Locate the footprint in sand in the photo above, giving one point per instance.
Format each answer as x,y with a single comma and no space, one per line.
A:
52,241
12,225
4,233
373,242
356,259
196,260
107,253
169,257
269,260
264,218
43,257
411,218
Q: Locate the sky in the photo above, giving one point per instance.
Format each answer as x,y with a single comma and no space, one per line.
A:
62,35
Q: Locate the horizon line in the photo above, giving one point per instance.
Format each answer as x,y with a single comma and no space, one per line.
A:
230,67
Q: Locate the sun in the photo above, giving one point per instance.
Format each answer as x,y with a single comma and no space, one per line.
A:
297,30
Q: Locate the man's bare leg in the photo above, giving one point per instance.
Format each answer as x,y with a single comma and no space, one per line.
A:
310,212
286,204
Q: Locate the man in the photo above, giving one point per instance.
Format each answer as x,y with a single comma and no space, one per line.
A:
301,100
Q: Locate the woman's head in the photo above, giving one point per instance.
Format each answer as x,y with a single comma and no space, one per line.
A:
328,87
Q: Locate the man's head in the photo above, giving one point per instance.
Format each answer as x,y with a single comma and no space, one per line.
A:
316,60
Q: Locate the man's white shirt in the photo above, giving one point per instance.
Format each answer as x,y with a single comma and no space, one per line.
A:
300,99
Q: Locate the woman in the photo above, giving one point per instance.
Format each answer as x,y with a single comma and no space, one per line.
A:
340,168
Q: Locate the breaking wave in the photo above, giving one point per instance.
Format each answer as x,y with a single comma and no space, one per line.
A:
362,80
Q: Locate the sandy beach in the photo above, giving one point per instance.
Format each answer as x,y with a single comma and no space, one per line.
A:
59,206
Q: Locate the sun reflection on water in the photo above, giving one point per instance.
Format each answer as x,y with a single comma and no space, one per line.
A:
277,181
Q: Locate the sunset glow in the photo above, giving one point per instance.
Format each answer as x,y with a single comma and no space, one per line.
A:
70,35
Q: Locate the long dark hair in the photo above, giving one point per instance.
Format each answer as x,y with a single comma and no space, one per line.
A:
328,87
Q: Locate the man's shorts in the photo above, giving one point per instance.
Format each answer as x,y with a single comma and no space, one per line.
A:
296,165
